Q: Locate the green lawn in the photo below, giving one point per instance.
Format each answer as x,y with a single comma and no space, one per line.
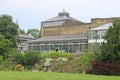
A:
10,75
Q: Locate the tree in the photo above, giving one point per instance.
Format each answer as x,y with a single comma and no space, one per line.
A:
34,32
21,31
110,50
9,29
5,46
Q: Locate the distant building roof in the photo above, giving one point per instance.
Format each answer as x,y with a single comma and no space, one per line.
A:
60,38
28,36
58,20
102,27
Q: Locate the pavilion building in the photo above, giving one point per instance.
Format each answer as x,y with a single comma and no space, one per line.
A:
65,34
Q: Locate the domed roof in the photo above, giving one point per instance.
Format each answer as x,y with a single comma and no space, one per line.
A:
58,20
62,16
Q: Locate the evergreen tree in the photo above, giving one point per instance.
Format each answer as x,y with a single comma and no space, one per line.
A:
110,50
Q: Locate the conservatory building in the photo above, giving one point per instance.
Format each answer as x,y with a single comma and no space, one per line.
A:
66,34
96,37
70,44
58,34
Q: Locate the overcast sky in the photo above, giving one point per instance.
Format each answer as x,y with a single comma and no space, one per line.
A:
30,13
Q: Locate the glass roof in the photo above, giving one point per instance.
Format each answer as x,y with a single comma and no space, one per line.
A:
61,38
52,23
102,27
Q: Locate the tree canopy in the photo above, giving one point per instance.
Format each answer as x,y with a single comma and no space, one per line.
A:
110,50
9,29
5,46
34,32
21,31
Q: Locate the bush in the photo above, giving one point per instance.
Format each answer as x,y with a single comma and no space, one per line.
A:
62,59
28,59
62,64
18,67
31,58
59,54
48,62
106,68
44,55
18,58
1,59
85,62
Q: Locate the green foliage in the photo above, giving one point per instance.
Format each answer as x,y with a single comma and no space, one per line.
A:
9,29
26,59
85,61
5,46
19,58
1,59
31,58
21,31
110,50
44,55
62,59
34,32
60,54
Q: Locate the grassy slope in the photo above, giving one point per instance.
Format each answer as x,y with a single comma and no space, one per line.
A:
4,75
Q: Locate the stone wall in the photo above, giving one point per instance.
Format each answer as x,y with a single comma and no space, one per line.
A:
74,27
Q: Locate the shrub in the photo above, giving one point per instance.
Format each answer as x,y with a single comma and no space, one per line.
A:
85,62
106,68
1,59
44,55
18,67
28,59
62,59
18,58
48,62
59,54
6,65
54,54
62,64
31,58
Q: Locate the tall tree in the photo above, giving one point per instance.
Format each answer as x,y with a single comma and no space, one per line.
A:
110,50
34,32
9,29
5,46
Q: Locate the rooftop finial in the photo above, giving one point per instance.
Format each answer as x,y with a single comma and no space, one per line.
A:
63,13
63,10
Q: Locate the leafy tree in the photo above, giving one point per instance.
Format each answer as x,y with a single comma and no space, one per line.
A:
5,46
34,32
110,50
21,31
9,29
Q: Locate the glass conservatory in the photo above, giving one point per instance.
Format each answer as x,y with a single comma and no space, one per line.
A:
96,37
68,43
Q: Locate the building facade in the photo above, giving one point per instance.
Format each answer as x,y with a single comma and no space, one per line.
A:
65,33
24,39
96,37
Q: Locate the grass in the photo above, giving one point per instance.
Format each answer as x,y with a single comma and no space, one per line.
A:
12,75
